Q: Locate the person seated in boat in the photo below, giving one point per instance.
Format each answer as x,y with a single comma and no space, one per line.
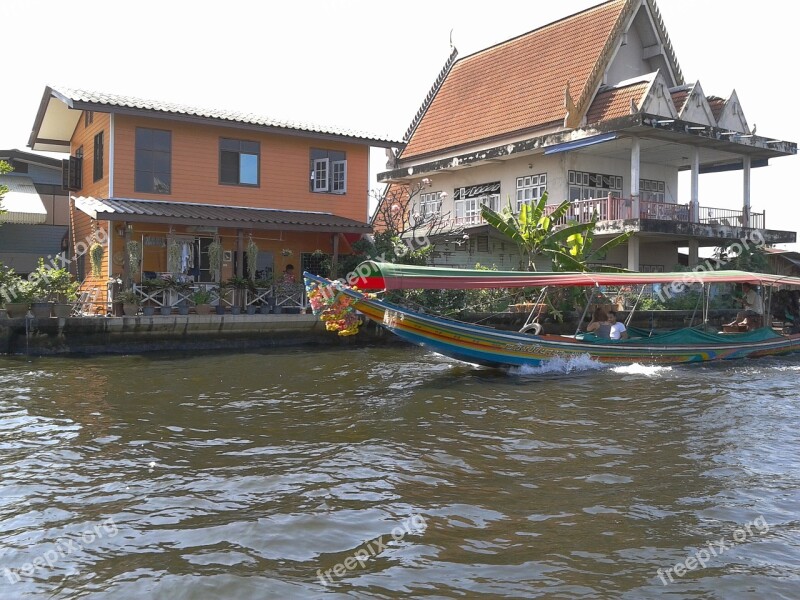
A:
599,324
618,331
752,313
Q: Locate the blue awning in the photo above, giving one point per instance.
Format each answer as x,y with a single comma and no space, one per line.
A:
574,145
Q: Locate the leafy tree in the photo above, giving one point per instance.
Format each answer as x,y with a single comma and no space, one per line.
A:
4,168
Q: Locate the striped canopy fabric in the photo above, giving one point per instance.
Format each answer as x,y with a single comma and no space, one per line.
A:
379,276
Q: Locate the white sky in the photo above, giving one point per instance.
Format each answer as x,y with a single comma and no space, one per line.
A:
368,64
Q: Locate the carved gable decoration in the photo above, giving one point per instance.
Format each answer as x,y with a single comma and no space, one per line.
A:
696,109
658,99
731,116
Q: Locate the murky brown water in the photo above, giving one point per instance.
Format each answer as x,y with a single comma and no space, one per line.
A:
400,474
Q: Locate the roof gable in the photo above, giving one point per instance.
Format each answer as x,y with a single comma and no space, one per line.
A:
695,107
731,116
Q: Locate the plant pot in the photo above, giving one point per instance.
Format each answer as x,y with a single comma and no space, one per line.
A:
41,310
266,309
278,309
236,310
148,311
17,310
251,309
203,309
3,314
165,311
62,311
220,309
130,310
183,310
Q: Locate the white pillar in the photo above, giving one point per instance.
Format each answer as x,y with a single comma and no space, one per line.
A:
746,191
635,154
694,253
633,253
695,207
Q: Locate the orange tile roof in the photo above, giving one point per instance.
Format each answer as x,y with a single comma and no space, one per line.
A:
679,98
717,104
616,102
517,85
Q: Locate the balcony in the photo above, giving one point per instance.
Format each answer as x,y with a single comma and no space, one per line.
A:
614,209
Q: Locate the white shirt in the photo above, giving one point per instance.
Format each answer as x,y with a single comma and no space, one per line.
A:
617,329
753,301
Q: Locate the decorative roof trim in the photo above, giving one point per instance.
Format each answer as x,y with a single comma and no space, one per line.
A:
437,84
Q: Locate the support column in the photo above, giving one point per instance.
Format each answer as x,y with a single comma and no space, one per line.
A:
335,257
695,206
633,253
239,253
746,191
635,174
694,253
127,276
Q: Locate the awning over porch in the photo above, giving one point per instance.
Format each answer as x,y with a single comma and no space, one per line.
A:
22,203
214,215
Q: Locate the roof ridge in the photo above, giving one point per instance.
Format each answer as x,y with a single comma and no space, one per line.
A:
112,99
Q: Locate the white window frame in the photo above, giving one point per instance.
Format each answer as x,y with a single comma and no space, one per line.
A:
468,210
339,178
530,188
321,165
430,204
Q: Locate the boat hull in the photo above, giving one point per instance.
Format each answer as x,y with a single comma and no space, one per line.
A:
486,346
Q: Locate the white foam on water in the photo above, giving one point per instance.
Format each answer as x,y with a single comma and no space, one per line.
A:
560,365
637,369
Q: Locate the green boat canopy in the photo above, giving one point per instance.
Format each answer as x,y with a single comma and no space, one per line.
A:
372,275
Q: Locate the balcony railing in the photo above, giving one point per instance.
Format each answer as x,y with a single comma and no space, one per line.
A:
611,209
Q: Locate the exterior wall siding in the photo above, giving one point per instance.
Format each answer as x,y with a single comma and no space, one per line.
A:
84,136
284,169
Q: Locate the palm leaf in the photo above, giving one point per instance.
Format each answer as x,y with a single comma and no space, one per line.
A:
506,227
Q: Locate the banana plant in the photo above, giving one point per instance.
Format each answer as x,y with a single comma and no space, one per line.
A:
532,231
535,234
577,251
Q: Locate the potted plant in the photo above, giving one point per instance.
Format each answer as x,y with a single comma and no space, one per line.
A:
62,290
150,287
222,292
96,258
130,302
163,286
239,285
262,286
202,302
15,291
182,289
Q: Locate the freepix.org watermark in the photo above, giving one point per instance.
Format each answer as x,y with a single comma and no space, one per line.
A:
63,547
667,291
359,558
712,549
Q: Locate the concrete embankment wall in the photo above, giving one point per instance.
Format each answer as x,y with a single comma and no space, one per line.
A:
133,335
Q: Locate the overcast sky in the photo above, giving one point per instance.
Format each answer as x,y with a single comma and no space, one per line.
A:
368,64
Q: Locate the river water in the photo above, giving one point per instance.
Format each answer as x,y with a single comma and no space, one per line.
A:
390,472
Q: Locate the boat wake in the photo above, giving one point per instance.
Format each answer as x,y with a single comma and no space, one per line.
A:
637,369
559,365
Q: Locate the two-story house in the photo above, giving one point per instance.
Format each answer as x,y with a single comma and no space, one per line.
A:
594,109
36,210
167,175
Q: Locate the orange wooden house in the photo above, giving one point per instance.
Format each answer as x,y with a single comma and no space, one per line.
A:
159,173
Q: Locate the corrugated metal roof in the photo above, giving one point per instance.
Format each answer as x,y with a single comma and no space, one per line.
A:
125,209
82,97
22,203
